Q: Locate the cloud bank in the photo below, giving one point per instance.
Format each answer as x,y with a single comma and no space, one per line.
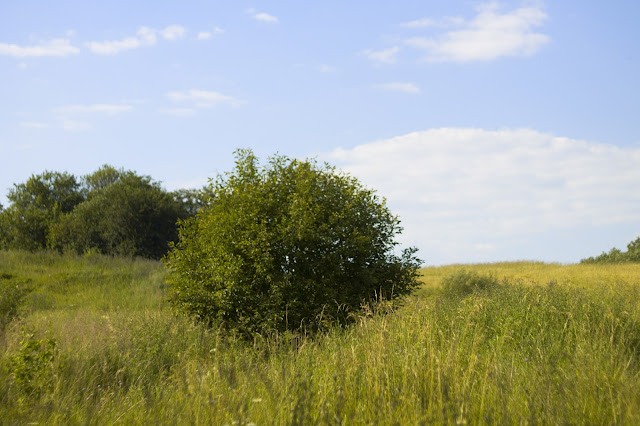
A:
463,193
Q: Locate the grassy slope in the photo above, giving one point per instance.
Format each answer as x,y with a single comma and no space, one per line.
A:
526,352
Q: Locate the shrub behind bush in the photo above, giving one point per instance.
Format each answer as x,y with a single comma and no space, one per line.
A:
463,283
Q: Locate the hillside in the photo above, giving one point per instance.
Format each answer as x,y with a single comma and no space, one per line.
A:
92,341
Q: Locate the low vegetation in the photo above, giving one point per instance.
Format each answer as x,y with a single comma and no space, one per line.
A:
91,339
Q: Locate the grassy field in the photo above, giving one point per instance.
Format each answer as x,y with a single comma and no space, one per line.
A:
91,340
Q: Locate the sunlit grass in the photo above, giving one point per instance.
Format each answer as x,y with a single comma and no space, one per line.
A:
524,351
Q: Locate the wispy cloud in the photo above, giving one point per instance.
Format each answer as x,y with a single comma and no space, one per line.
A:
203,98
262,16
447,22
108,109
400,87
74,117
179,112
33,125
75,125
491,34
384,56
55,47
206,35
325,68
457,190
144,37
173,32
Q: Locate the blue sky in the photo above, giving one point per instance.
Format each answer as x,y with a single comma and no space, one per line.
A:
496,130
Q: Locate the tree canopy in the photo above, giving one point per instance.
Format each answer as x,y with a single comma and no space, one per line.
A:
111,211
35,205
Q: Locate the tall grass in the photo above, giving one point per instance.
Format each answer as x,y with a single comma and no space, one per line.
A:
532,343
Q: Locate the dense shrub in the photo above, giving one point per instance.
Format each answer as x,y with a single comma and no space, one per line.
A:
12,293
463,283
285,246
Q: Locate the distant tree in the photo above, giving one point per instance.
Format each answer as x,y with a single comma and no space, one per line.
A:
283,246
104,177
617,256
35,206
113,211
123,214
192,200
633,250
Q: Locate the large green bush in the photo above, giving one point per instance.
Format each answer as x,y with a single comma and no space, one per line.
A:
286,246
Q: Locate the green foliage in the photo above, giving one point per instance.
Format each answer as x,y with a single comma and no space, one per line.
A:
616,256
192,200
110,211
124,214
32,366
464,283
12,293
36,205
286,246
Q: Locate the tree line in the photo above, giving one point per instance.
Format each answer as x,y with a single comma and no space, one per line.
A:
618,256
110,211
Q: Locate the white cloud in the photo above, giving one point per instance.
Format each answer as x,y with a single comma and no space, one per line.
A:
400,87
179,112
384,56
206,35
33,125
490,34
144,37
262,16
203,98
433,23
462,193
75,126
109,109
55,47
68,114
173,32
325,68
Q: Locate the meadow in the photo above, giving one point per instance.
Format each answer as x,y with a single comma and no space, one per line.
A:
91,340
